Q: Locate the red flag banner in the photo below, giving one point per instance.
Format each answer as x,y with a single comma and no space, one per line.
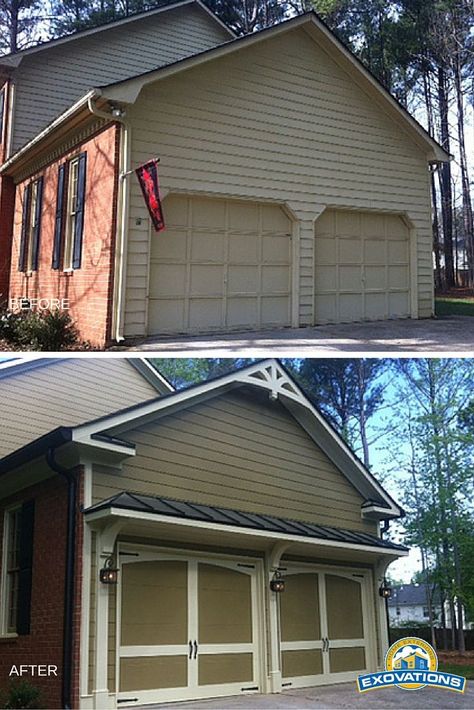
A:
147,175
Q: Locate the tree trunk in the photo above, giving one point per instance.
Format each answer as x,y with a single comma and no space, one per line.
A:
445,180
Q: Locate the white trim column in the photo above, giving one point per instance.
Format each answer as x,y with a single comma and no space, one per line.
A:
103,699
381,610
272,562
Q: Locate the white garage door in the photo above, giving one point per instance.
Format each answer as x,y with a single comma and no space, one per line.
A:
219,265
362,267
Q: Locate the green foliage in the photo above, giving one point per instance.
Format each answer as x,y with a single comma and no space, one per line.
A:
22,694
49,331
183,372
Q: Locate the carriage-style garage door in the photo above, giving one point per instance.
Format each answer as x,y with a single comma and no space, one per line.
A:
219,265
362,267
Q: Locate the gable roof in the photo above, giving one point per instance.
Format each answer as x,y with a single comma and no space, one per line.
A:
14,58
270,376
129,89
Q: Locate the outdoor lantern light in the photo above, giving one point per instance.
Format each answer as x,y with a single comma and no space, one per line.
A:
109,573
277,584
385,590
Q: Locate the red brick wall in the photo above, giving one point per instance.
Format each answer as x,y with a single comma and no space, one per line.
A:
45,641
89,289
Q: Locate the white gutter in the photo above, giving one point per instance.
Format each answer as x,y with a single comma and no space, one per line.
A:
123,202
124,514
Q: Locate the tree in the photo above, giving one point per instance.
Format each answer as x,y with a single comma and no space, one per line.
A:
438,486
18,21
348,392
183,372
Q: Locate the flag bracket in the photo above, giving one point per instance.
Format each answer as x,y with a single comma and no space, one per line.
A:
126,173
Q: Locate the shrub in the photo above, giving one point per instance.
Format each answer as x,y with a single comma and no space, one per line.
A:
22,694
47,331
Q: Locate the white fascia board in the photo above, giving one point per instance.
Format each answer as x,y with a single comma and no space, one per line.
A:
268,375
215,18
130,515
151,375
113,447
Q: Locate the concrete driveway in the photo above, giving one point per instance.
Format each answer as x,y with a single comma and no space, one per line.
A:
337,696
436,335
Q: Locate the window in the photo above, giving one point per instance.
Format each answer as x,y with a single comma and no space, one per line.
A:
31,226
70,214
425,611
17,565
11,550
398,611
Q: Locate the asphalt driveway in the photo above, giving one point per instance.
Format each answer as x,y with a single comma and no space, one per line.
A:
337,696
435,335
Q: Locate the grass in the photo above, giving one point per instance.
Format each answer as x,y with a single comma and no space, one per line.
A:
465,670
445,306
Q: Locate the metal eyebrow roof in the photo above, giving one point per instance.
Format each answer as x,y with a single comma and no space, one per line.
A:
226,516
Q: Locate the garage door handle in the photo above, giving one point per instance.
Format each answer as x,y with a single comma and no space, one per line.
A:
195,649
190,650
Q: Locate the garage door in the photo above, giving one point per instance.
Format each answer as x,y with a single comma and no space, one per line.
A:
188,629
362,267
219,265
324,627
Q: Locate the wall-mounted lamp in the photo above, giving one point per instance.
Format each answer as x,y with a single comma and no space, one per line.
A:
277,583
385,590
109,573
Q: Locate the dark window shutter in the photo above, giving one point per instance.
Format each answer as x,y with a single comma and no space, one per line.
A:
37,232
27,522
24,228
2,113
81,190
58,226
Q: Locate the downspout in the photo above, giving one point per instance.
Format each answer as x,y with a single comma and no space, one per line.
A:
118,116
66,683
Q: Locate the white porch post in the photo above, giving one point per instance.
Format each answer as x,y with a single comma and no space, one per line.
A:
103,699
381,610
272,562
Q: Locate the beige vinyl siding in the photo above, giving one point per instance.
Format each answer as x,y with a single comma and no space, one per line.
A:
278,121
49,82
241,452
66,393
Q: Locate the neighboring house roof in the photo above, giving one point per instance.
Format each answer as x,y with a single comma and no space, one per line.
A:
128,90
410,595
108,432
226,516
14,58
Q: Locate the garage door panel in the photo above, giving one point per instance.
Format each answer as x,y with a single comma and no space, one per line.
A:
376,306
348,223
398,277
207,280
207,213
170,280
398,252
398,304
350,251
275,279
275,250
148,673
350,278
207,247
170,245
350,307
227,249
243,216
369,253
375,277
241,311
275,310
242,279
375,252
205,312
169,313
243,249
